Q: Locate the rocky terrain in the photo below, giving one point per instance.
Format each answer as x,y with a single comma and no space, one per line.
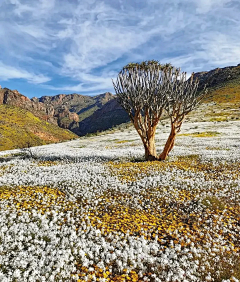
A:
16,99
218,76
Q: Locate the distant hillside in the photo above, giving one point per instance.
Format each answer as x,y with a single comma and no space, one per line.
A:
223,101
219,76
78,113
19,128
14,98
73,108
50,109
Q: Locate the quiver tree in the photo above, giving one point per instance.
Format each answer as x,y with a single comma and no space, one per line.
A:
182,97
139,89
148,89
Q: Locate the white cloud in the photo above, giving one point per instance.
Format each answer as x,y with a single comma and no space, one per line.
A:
99,37
9,72
215,50
89,83
204,6
218,50
39,8
81,88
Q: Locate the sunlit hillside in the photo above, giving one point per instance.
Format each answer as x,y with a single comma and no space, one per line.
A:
20,128
222,103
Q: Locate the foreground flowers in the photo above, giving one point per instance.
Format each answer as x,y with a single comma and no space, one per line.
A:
73,214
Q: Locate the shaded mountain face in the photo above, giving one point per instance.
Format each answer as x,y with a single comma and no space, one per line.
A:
94,114
108,116
73,108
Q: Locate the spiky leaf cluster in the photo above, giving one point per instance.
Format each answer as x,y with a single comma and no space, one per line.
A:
148,88
141,90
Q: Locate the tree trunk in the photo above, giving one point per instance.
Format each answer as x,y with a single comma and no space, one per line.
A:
148,140
150,150
169,144
147,134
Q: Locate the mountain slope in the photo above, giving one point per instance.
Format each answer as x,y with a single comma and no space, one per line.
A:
223,100
72,111
110,115
218,77
19,128
14,98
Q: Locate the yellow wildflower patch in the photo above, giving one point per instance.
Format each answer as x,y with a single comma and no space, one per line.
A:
26,198
201,134
47,163
99,273
131,171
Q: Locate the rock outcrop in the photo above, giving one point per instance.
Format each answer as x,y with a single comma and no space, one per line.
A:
73,108
14,98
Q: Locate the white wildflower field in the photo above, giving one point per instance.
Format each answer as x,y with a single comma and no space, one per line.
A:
92,210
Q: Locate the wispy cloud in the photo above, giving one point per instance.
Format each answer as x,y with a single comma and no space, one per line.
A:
205,6
8,72
89,83
80,45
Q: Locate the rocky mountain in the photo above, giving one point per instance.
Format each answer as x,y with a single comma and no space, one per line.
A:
223,100
78,113
14,98
73,108
72,111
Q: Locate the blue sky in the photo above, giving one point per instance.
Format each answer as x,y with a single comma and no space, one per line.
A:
77,46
